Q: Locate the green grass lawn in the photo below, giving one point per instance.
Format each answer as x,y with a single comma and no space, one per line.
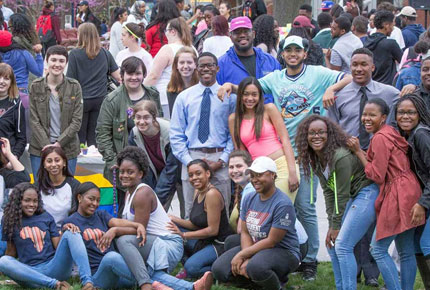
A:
324,281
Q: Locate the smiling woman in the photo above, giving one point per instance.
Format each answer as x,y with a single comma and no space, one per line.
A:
323,151
56,183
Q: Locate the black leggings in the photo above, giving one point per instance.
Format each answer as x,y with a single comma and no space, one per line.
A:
87,133
268,268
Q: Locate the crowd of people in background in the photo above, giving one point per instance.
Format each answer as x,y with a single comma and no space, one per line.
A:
213,106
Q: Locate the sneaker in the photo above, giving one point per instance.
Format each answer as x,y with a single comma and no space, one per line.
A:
309,271
205,282
182,274
64,286
372,282
160,286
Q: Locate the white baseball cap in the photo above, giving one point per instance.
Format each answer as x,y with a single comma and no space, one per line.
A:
262,164
408,11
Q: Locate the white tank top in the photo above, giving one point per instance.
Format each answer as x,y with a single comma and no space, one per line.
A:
158,219
164,79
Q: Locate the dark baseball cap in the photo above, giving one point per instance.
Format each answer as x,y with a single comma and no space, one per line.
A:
83,3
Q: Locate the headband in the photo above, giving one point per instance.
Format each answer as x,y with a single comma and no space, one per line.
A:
131,32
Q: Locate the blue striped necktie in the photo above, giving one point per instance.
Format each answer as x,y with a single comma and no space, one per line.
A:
204,116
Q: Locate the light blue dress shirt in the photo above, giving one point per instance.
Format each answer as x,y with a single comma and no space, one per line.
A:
184,124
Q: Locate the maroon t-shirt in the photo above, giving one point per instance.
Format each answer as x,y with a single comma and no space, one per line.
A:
152,146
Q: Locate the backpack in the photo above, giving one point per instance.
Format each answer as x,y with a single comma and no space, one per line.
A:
248,9
411,59
44,28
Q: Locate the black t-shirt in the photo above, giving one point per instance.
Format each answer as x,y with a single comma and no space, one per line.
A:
5,105
249,63
91,73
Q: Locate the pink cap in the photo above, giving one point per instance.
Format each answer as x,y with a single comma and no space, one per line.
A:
302,21
240,22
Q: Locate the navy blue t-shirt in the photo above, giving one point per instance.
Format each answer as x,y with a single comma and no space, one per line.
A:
33,240
92,230
277,212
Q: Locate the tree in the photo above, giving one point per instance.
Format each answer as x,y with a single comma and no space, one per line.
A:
286,10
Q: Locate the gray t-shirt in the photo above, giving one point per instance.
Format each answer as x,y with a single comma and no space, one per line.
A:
277,212
55,118
91,73
341,52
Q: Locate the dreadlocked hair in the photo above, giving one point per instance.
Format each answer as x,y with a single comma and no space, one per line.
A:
12,217
264,31
420,106
336,138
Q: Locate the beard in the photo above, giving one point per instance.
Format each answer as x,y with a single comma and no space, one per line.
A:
240,48
295,66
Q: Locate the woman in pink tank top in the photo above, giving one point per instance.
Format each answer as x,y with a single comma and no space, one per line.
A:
260,129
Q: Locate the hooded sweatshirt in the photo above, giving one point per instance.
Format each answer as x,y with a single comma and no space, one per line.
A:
385,54
411,34
341,181
12,127
55,22
23,63
400,190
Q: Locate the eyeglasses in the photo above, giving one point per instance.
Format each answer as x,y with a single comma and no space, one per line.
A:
206,65
408,113
319,133
167,30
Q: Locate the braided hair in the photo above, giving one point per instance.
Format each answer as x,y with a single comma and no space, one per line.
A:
12,217
420,106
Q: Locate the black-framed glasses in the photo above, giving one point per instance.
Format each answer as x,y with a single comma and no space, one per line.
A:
206,65
408,113
319,133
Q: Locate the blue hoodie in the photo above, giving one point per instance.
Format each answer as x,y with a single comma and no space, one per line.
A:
233,71
411,34
23,63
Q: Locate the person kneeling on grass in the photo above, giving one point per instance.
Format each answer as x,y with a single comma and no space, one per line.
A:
269,248
45,257
98,228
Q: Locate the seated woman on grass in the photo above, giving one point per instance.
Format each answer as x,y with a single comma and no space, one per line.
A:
162,249
208,226
37,256
269,248
98,229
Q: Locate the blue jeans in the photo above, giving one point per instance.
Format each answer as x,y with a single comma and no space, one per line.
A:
359,215
424,240
171,281
3,244
307,214
113,273
70,249
408,265
200,262
35,165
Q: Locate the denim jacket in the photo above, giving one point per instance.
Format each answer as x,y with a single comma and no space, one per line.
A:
419,143
164,183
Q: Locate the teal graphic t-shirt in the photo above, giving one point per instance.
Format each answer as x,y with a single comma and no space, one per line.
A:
299,96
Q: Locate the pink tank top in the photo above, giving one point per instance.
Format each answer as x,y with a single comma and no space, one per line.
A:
265,145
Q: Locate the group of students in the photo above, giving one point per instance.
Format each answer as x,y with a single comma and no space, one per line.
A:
254,241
